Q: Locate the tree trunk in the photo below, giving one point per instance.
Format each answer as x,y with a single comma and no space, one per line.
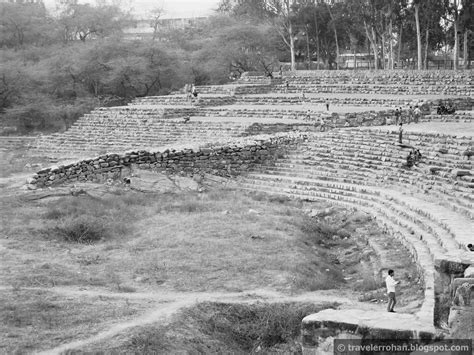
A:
418,35
456,45
375,49
382,42
399,46
355,58
292,47
307,48
426,48
372,44
317,40
335,37
390,44
466,52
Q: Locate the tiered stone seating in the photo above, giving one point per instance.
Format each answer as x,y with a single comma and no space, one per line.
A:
348,168
384,77
398,82
463,116
368,157
296,86
355,162
297,99
140,126
10,143
183,100
112,136
233,89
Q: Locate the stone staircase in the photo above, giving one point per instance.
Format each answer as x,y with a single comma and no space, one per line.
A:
463,116
122,128
296,86
369,157
88,140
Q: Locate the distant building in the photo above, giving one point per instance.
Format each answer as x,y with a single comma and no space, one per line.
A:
143,28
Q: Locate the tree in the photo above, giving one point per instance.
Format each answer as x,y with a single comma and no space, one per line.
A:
84,21
279,13
466,23
155,16
452,14
22,24
416,5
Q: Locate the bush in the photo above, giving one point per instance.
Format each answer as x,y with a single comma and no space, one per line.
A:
227,328
83,229
252,326
317,231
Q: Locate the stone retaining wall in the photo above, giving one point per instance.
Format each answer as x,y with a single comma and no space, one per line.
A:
224,160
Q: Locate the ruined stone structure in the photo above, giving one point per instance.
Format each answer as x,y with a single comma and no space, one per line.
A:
357,164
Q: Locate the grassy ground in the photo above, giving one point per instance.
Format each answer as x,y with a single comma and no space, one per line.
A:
220,240
18,161
220,328
30,319
132,243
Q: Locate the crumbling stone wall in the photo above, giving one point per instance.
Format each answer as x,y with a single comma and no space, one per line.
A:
223,160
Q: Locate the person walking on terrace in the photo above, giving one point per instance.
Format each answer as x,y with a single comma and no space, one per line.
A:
391,283
194,91
400,133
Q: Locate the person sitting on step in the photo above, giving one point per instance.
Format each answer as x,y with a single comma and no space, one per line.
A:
186,119
410,159
417,155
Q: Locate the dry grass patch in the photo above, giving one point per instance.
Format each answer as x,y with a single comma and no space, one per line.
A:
220,240
33,319
220,328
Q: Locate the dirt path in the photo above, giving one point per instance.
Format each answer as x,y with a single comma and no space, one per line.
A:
169,302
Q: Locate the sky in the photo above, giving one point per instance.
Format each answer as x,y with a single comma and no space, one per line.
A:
172,8
177,8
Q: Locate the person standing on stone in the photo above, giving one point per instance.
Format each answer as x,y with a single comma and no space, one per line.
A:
391,283
417,113
410,114
322,125
397,116
400,133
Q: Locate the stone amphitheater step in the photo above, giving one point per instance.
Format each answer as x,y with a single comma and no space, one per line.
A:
110,135
297,99
432,77
332,168
457,117
10,143
375,160
183,100
382,198
395,89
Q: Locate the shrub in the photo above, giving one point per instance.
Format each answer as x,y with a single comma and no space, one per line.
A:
252,326
83,229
